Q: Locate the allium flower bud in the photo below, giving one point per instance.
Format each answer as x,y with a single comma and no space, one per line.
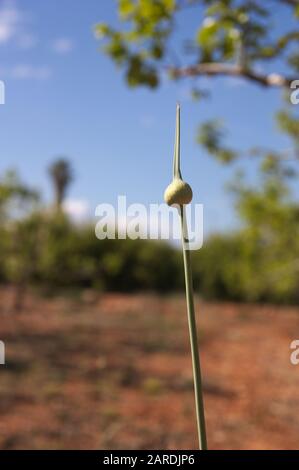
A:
178,192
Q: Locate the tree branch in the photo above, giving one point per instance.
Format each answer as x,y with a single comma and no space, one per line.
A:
293,3
217,69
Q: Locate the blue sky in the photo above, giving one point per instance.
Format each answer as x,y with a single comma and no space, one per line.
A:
64,97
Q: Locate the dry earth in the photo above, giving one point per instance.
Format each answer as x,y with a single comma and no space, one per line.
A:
114,372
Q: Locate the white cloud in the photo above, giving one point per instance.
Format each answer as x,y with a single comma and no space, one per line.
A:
27,71
62,45
77,209
27,41
13,26
10,19
14,31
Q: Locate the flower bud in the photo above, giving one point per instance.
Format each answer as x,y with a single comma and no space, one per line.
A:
178,192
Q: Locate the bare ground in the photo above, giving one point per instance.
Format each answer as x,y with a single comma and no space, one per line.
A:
114,372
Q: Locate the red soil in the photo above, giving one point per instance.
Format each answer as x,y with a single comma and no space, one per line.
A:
114,372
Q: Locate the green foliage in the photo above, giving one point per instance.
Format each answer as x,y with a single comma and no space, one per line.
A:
44,248
228,30
259,261
289,124
15,197
211,135
235,37
139,47
218,268
17,203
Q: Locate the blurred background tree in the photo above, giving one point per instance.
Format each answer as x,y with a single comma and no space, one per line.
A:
61,175
46,249
18,204
258,261
234,39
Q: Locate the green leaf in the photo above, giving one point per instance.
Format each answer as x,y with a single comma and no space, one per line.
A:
126,8
206,34
102,30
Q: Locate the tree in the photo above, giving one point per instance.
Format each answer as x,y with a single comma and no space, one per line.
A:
234,38
62,175
18,203
16,198
259,261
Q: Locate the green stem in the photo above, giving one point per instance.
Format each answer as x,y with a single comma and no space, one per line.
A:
176,159
193,335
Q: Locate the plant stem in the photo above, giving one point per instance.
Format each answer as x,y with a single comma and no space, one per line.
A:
199,405
201,428
177,158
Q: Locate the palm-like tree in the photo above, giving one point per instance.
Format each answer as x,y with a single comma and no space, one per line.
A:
61,174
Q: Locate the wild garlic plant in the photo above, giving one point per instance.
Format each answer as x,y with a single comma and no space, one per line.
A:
179,193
